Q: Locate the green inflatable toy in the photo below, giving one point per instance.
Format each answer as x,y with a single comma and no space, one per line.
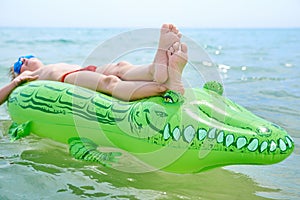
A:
181,134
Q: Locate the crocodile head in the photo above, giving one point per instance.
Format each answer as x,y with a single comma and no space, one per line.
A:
217,130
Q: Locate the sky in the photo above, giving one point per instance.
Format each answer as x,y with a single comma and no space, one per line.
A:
151,13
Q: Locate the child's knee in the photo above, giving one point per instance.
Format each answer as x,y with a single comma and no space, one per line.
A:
110,82
122,64
121,68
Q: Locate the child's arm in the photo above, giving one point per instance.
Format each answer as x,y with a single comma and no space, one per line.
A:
6,90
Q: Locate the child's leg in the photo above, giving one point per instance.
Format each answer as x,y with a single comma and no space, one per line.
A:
169,34
112,85
177,60
134,90
128,72
157,71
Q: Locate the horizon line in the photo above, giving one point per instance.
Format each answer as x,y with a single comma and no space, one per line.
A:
140,27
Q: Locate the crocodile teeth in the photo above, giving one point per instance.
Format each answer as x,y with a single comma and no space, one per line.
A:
289,141
272,146
229,140
263,146
166,133
189,133
176,134
282,145
253,145
212,133
241,142
220,137
202,134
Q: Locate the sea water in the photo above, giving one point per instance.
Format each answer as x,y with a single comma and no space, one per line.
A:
259,68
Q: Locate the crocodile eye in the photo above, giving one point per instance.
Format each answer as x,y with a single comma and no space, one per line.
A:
168,99
173,97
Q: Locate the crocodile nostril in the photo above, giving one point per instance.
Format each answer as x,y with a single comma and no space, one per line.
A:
263,130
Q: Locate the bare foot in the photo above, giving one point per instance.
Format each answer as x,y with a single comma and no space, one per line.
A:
169,34
177,55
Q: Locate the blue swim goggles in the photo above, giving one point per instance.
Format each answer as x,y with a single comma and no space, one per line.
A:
19,63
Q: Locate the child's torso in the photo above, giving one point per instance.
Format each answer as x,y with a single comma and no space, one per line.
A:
55,72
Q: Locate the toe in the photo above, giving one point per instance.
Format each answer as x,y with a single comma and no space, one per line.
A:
174,29
165,28
184,48
170,51
179,34
176,46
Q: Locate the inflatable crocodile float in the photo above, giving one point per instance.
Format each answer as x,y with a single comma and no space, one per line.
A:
181,134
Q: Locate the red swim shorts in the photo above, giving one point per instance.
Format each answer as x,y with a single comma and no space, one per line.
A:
91,68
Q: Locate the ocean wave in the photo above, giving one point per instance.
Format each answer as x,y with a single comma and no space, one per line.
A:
41,41
280,94
262,78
